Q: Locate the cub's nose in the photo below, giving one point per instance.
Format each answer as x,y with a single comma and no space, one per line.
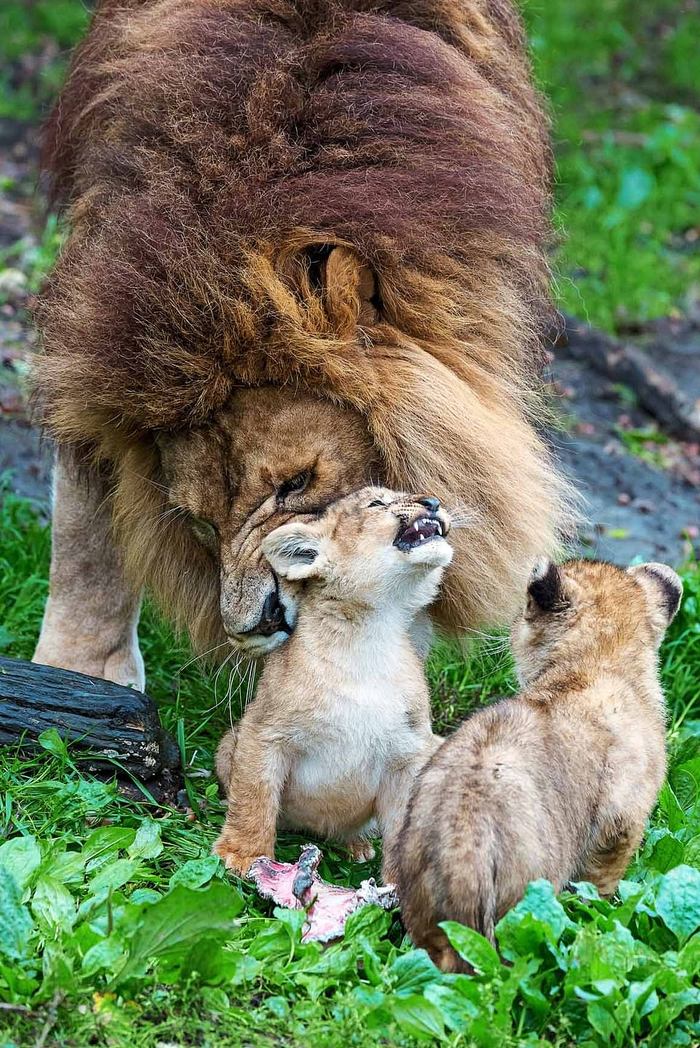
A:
430,503
272,619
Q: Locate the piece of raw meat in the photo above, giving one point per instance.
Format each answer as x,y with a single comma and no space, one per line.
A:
328,906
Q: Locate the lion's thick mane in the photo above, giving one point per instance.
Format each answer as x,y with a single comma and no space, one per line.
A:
212,151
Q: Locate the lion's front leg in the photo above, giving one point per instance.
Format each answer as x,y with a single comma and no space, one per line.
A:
91,615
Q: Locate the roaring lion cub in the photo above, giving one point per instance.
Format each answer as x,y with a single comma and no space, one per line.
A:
557,782
340,724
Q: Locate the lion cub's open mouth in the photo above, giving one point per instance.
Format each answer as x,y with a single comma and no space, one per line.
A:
418,532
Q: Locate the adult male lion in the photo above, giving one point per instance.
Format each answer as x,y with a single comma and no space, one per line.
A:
306,251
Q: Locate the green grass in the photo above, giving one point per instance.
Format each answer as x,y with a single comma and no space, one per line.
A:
89,881
624,85
118,928
45,28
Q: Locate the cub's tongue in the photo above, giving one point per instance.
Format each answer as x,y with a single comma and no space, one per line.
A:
417,532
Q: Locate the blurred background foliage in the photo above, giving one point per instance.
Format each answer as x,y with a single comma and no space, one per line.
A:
623,80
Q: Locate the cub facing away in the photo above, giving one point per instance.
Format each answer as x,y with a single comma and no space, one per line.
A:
557,782
340,724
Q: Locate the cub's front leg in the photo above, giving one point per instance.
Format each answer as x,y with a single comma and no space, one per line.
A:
256,776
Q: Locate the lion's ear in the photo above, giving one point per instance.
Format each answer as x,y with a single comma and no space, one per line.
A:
294,551
350,292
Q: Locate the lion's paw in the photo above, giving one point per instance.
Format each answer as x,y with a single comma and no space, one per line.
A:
236,856
361,850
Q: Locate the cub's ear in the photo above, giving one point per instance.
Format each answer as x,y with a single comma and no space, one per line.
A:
545,591
663,590
294,551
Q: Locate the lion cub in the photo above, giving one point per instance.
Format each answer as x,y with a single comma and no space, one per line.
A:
557,782
341,720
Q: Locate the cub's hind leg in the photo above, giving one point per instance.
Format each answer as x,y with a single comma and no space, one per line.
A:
611,854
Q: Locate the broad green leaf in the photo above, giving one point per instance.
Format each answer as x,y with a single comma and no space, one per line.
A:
369,921
106,954
664,851
689,956
417,1016
670,1007
51,740
411,972
147,843
215,1000
68,867
538,918
457,1010
279,1006
601,1019
107,839
57,970
292,920
15,922
53,905
596,956
686,781
668,803
196,872
691,853
114,875
585,890
222,966
642,996
472,947
178,920
678,901
144,895
21,857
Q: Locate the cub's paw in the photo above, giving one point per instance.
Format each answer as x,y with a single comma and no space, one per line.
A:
236,855
361,850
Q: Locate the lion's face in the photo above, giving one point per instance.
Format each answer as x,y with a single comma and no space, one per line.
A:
269,457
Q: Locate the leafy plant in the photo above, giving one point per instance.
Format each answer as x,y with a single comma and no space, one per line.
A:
118,926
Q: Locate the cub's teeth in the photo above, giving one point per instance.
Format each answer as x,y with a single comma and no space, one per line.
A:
422,538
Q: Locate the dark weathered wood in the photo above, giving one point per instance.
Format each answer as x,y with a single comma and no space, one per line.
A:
664,372
94,714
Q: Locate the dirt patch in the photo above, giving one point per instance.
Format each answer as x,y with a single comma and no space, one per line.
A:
647,506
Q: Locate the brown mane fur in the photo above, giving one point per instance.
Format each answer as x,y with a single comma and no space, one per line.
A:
211,152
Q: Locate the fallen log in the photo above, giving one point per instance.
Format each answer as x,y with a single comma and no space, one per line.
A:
113,724
663,372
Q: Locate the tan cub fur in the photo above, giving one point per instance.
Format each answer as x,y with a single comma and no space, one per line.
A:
341,721
557,782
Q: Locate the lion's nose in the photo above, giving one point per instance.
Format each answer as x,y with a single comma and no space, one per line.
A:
272,619
430,503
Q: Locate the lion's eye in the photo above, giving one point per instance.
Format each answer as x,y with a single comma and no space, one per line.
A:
293,486
376,502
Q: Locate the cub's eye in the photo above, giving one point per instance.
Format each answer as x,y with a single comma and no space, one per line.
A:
376,502
294,486
205,531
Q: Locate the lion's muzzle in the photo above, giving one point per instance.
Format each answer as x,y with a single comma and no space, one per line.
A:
255,616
